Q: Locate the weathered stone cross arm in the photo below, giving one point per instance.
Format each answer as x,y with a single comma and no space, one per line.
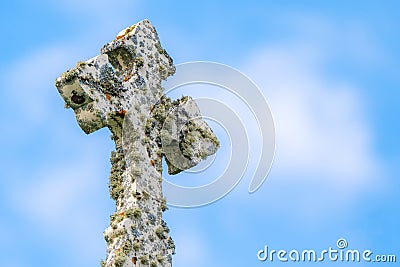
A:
121,89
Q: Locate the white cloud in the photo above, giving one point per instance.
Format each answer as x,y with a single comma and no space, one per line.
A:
324,141
54,194
322,130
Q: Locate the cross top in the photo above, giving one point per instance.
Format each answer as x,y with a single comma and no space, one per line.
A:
121,89
109,84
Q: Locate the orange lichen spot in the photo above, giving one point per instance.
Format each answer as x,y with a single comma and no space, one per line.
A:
131,28
134,260
122,214
108,97
152,162
121,113
127,78
122,33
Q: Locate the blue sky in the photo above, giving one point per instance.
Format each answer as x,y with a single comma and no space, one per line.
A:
330,72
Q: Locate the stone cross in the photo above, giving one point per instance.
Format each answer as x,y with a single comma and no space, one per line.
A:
121,89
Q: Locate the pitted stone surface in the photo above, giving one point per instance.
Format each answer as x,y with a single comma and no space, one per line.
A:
121,89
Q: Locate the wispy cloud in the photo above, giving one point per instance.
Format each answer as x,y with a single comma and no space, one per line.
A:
324,138
30,79
67,204
321,126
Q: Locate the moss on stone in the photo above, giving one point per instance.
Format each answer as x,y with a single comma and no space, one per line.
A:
136,172
80,64
171,245
164,206
115,180
114,234
139,62
160,232
126,247
144,260
120,259
134,213
136,245
69,75
145,195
